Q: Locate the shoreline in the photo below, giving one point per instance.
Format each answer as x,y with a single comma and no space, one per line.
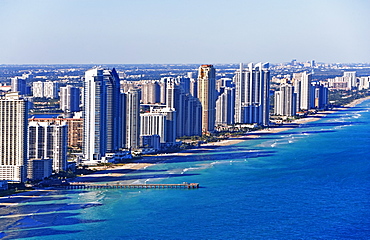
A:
141,164
109,174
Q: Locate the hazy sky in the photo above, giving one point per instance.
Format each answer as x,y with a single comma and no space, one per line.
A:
183,31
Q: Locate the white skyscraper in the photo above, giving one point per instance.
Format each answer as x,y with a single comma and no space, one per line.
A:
51,89
252,94
102,114
45,89
225,107
364,83
150,92
38,89
351,78
133,119
302,87
192,116
70,99
19,85
176,100
153,124
13,138
48,141
285,100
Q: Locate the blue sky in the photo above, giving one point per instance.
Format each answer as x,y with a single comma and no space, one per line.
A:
183,31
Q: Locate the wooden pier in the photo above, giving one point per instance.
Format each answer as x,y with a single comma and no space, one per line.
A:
116,186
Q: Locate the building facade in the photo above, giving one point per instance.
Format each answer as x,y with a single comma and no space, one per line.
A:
38,169
51,89
154,124
302,87
70,99
101,113
285,101
75,129
38,89
225,106
48,141
207,96
13,138
320,96
252,94
132,123
19,85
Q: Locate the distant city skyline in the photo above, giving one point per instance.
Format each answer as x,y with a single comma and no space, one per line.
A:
182,32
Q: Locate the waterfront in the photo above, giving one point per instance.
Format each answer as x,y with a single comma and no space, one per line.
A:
309,182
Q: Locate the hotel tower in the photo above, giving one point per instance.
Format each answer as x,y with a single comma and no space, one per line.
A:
252,89
207,96
102,114
13,138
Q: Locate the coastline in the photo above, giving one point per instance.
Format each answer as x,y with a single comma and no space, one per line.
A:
146,161
117,174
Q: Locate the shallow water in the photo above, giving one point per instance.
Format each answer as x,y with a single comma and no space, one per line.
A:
310,182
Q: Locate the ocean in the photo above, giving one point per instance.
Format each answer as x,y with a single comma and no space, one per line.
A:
310,182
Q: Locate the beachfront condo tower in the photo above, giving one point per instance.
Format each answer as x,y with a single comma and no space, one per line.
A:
302,87
48,140
101,113
252,99
285,100
132,123
13,138
70,99
225,107
207,96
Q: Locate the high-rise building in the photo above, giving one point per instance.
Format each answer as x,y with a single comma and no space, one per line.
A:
252,94
339,83
159,121
38,89
153,124
194,87
48,141
320,96
176,100
207,96
70,99
19,85
45,89
113,107
50,89
225,106
192,116
364,83
150,92
351,79
285,100
171,119
38,169
13,138
75,129
302,87
132,119
101,114
163,90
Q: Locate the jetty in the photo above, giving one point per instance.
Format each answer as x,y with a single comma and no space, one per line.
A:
184,185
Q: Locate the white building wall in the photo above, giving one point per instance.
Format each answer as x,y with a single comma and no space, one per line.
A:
13,138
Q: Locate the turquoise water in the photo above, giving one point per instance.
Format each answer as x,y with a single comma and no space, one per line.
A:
310,182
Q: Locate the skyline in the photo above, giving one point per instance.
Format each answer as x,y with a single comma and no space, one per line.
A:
163,31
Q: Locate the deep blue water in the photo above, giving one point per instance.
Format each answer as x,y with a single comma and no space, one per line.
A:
311,182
